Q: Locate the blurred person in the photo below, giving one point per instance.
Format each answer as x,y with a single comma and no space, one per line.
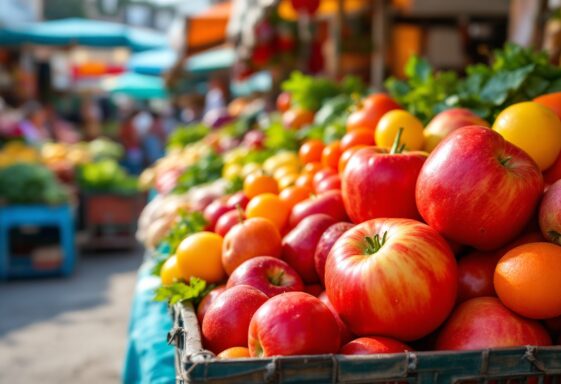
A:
154,140
216,96
60,129
130,139
90,114
33,126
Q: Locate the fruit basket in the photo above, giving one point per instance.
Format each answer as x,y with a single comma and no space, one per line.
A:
509,365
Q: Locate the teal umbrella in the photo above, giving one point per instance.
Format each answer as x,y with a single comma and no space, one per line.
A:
91,33
136,86
158,61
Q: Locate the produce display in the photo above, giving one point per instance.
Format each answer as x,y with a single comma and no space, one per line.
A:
356,223
24,183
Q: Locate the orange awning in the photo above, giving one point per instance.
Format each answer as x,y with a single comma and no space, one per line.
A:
326,8
208,29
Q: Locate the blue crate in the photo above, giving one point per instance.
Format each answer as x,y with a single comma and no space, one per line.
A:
36,215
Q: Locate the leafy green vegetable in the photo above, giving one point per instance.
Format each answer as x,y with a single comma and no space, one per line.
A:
103,148
311,92
516,74
207,169
332,109
106,176
234,185
187,135
25,183
180,291
188,223
277,137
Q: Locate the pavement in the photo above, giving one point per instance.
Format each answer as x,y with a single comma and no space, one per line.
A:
68,330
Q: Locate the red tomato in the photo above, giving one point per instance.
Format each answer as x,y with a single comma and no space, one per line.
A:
283,101
310,151
331,154
358,137
372,109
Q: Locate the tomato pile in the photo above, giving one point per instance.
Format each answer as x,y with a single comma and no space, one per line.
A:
398,236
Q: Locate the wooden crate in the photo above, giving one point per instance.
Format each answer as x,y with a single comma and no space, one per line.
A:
509,365
110,220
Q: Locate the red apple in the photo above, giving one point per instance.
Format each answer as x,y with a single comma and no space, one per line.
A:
475,274
484,322
332,183
227,221
391,277
373,345
550,213
293,323
214,211
268,274
226,322
330,203
447,121
299,245
237,199
313,289
478,189
326,241
381,184
344,332
205,303
254,237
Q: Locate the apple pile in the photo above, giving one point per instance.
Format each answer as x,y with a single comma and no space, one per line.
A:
442,239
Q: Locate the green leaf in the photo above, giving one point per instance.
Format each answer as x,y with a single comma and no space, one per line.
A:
180,291
206,170
497,89
188,224
418,69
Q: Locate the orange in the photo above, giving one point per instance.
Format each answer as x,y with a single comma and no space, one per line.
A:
310,151
258,183
527,280
200,255
269,206
552,101
169,272
293,195
331,154
234,353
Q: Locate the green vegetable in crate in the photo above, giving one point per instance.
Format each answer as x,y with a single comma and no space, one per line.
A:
106,176
30,184
104,148
187,135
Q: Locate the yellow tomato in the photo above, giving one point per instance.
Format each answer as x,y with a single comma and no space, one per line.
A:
285,170
200,255
534,128
269,206
279,160
389,125
250,168
169,272
231,171
287,180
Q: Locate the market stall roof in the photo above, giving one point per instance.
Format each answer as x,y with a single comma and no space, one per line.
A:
208,29
136,86
92,33
156,62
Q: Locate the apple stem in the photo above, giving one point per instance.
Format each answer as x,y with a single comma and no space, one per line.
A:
276,279
505,160
241,213
396,147
375,243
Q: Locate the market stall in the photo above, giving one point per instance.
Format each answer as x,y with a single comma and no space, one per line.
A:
411,226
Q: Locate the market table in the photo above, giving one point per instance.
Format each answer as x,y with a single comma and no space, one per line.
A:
149,358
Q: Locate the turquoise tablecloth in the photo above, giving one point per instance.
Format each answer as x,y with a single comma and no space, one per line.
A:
149,359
